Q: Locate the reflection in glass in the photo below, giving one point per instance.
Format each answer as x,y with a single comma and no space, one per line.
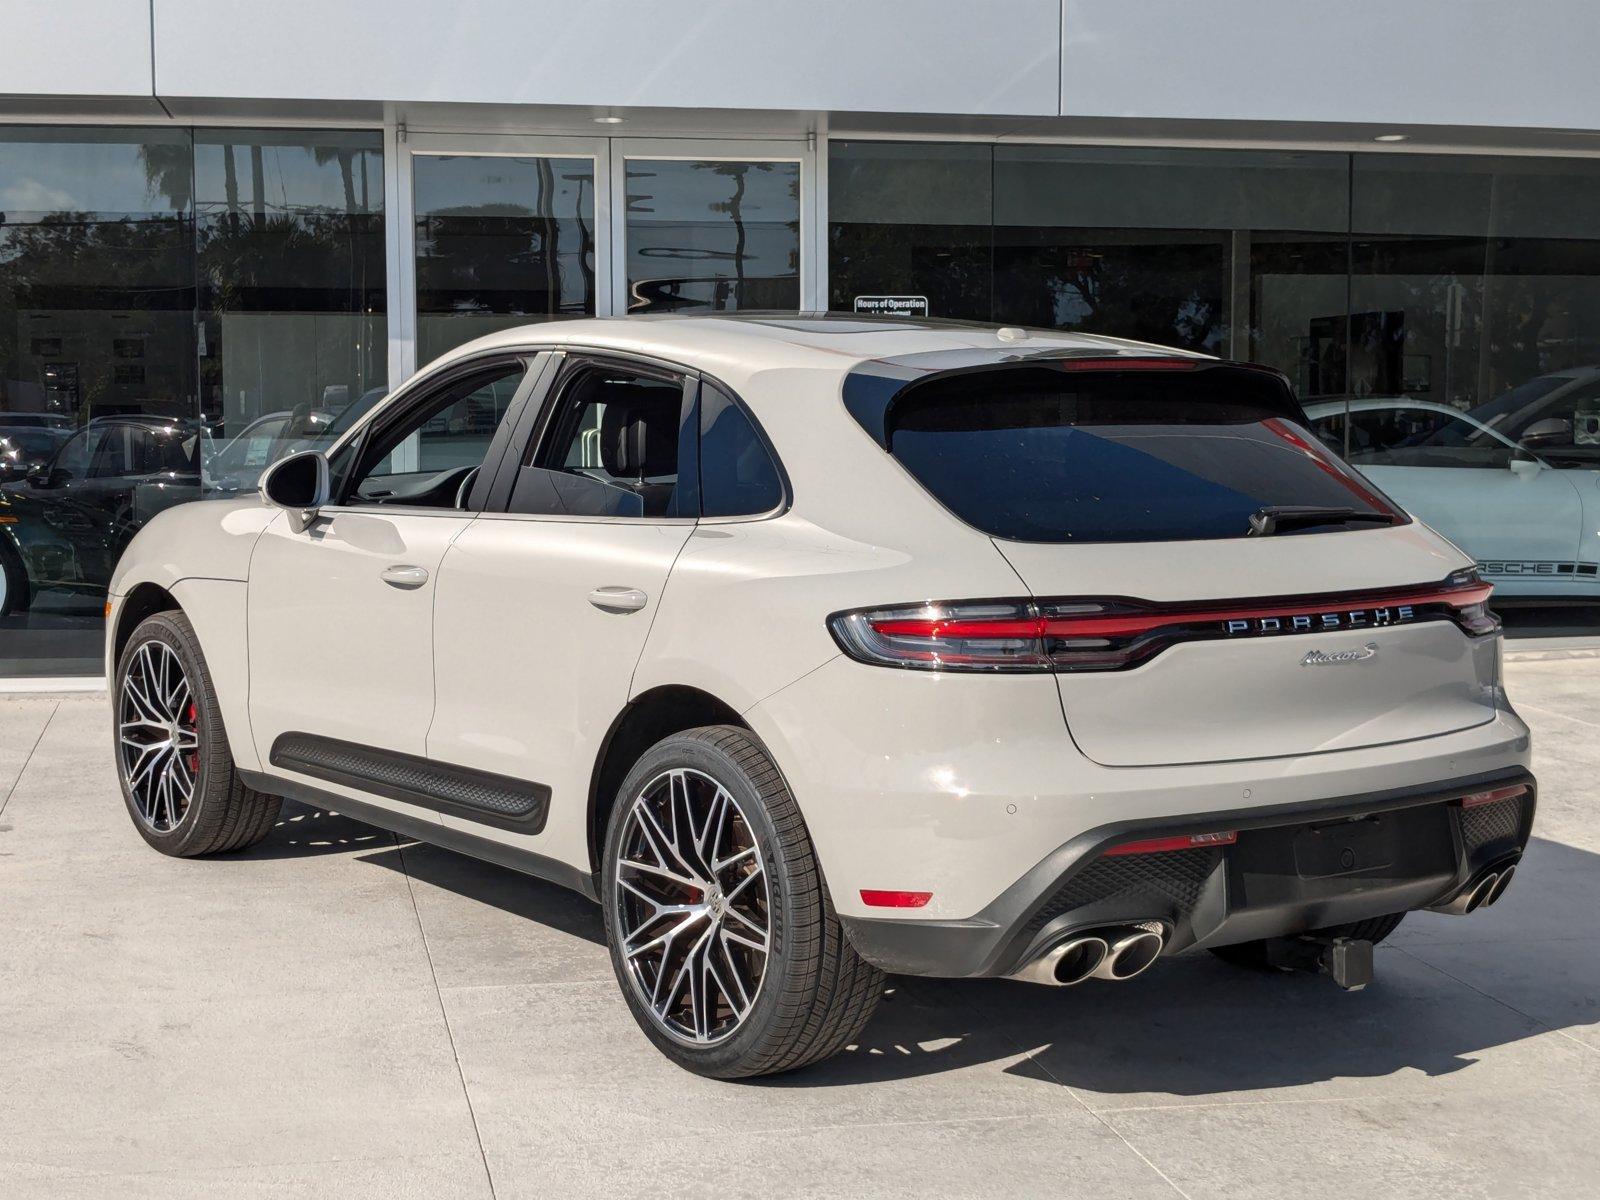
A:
911,220
97,390
500,241
289,239
712,235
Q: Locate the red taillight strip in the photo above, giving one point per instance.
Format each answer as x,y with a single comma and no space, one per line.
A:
1477,799
1130,364
1136,623
1187,841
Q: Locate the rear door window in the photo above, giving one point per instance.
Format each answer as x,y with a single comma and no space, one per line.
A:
1051,455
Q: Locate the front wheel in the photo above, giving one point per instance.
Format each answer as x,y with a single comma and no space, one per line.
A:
722,934
14,589
177,773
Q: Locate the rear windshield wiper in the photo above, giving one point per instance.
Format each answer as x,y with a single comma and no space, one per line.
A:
1278,517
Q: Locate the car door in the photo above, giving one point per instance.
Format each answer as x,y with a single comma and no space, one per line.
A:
1503,506
543,607
340,612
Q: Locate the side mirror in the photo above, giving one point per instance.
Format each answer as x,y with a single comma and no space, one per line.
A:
1552,431
297,484
41,476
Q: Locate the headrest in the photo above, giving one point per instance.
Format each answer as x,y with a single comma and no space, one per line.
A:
639,431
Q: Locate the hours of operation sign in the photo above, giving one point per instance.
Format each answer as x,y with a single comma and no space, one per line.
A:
892,306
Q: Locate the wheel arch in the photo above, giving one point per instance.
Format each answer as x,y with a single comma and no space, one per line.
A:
644,721
144,601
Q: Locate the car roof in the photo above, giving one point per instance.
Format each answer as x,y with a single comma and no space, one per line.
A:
756,340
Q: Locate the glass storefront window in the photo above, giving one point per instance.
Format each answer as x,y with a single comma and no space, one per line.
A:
713,235
290,260
500,241
98,421
911,221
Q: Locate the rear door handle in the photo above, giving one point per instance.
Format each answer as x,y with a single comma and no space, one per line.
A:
618,599
405,576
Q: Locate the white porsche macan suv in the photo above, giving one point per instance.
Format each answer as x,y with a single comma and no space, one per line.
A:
817,648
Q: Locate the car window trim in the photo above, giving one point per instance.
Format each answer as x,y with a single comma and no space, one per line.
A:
785,501
542,409
407,407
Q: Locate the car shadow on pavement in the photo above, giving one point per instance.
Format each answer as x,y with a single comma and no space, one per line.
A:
1195,1026
1192,1026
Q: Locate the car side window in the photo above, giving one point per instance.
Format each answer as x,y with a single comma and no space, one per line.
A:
73,460
109,457
612,447
424,459
1564,431
738,477
1422,437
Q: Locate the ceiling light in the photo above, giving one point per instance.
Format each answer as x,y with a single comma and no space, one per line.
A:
1392,137
609,120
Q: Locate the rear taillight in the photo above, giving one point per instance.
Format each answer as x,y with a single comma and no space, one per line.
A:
1114,634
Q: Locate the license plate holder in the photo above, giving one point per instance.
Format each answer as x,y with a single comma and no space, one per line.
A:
1343,848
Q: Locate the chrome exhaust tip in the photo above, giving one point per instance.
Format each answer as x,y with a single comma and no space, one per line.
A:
1066,963
1475,895
1133,951
1499,888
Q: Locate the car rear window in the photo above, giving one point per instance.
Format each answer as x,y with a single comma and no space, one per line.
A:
1050,455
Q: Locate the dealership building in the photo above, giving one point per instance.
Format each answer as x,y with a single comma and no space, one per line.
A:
218,220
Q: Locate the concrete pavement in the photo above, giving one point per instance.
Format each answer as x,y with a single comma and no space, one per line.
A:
337,1013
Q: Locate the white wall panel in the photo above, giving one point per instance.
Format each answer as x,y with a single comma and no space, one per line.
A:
999,57
1443,62
75,47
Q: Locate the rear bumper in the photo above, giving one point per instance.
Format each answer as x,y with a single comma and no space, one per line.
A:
1294,868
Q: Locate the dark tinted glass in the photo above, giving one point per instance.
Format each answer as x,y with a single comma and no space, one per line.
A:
97,304
289,237
1038,456
737,476
500,241
712,235
911,220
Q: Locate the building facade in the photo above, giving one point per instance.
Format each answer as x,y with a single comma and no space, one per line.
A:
225,227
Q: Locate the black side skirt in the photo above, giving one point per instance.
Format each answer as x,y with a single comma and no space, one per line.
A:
489,799
529,863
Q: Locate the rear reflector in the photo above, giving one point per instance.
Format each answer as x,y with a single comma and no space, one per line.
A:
1478,799
876,899
1188,841
1114,634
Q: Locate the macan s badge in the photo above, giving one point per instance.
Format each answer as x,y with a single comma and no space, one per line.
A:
1324,658
1358,618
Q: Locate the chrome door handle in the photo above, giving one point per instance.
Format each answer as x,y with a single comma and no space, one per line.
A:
405,577
618,599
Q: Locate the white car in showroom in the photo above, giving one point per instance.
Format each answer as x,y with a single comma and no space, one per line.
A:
817,648
1514,482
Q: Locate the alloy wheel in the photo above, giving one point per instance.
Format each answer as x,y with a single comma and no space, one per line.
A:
693,906
158,737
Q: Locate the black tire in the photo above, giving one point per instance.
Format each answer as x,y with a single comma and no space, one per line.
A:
15,591
816,994
1254,954
222,814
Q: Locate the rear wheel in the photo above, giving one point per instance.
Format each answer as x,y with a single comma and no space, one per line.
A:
722,934
1254,954
177,774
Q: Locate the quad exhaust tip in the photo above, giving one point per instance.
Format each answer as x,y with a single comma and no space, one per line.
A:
1117,953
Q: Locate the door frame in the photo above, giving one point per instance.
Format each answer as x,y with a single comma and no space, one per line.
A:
801,151
402,218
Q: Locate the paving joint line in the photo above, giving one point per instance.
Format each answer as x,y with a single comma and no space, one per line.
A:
444,1015
55,707
1506,1004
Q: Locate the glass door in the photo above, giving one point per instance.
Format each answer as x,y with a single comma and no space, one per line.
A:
711,226
503,231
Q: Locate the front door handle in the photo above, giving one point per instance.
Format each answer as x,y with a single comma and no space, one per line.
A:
618,599
406,577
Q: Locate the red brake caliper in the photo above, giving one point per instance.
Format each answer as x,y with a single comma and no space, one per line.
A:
192,716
